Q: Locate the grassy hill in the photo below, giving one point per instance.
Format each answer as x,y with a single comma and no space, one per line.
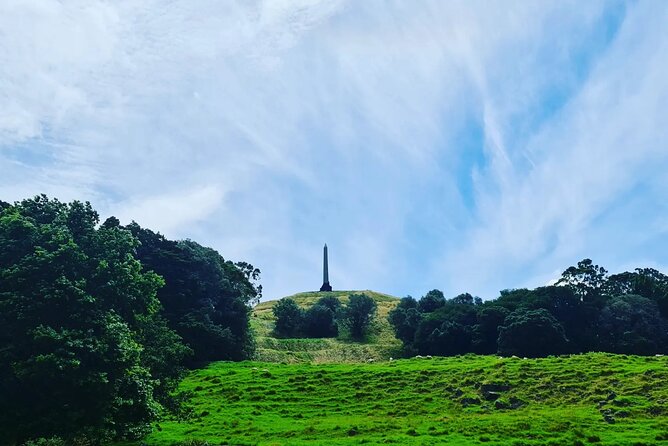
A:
471,400
380,345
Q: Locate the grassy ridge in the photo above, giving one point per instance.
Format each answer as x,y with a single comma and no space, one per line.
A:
470,400
381,343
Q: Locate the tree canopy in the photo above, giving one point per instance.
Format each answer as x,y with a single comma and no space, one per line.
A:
587,310
93,320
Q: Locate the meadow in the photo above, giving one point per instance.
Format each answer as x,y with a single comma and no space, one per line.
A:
593,398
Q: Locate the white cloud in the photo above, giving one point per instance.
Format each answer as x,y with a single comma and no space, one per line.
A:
603,143
267,128
170,212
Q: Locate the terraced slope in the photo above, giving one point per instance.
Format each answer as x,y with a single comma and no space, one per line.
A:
381,344
470,400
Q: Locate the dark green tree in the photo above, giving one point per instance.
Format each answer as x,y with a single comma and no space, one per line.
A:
358,315
431,301
632,324
319,322
486,331
586,279
72,301
331,302
405,319
646,282
577,316
442,337
289,318
532,333
206,299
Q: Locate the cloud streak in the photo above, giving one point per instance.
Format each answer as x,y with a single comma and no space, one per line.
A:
459,145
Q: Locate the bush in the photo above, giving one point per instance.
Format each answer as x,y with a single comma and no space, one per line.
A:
532,333
319,322
53,441
289,318
358,315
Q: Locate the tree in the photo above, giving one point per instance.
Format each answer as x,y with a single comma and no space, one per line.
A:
358,314
445,338
631,324
405,319
319,322
646,282
586,279
206,299
577,316
289,318
532,333
431,301
486,332
330,302
72,301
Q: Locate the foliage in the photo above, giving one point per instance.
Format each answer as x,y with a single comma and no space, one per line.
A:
331,302
85,352
486,331
206,299
358,314
289,318
53,441
531,333
320,322
405,320
632,324
72,299
586,311
586,279
431,301
646,282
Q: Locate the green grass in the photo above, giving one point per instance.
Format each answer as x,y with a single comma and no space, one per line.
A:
380,345
468,400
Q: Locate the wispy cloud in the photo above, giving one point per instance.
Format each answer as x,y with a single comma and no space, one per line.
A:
465,146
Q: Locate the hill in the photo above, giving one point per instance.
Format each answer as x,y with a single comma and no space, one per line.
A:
469,400
380,345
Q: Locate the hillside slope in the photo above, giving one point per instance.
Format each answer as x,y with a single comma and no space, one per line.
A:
470,400
380,345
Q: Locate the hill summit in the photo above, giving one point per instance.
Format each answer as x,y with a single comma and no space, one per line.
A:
381,344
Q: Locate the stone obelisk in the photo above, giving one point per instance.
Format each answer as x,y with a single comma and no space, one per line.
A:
325,272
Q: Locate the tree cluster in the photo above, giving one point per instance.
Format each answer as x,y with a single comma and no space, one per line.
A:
587,310
98,321
323,319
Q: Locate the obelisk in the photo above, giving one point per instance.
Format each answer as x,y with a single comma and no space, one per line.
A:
325,273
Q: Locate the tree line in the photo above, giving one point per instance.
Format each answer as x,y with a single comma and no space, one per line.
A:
99,321
586,310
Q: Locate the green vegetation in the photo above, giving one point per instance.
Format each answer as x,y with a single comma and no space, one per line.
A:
206,299
379,344
326,318
587,311
99,322
593,398
91,338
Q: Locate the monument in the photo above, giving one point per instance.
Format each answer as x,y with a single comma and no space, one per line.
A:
325,273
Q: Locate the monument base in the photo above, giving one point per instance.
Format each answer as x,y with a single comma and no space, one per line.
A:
326,287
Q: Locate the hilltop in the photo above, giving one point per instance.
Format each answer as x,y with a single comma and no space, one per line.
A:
596,398
381,344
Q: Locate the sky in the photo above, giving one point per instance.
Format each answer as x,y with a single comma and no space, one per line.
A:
468,146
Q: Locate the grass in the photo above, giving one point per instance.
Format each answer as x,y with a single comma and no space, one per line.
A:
470,400
380,345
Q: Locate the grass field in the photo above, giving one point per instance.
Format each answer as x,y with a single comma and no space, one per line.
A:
380,345
470,400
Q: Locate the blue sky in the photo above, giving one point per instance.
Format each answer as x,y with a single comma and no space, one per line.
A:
466,146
